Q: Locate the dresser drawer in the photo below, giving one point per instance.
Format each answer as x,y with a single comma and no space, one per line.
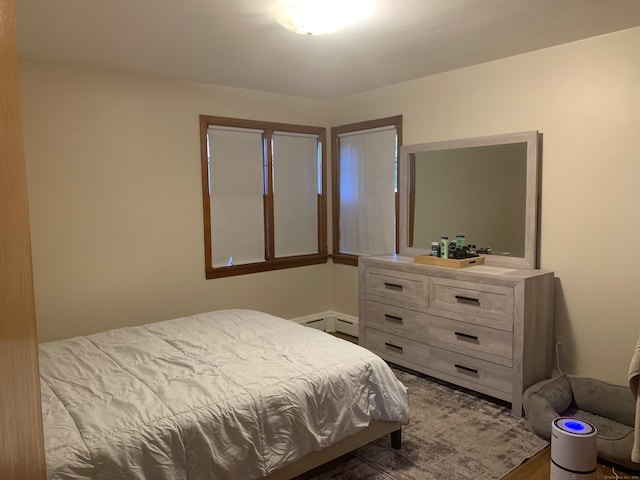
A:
390,345
397,286
477,371
477,299
396,320
469,336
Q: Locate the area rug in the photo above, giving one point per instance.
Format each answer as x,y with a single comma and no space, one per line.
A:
452,434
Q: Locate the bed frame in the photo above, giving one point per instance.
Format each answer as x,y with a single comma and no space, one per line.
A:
375,430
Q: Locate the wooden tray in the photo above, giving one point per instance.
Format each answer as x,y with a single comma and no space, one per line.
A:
449,262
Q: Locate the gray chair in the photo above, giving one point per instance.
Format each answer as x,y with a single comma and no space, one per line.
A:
611,408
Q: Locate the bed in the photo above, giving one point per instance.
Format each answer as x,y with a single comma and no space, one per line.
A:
230,394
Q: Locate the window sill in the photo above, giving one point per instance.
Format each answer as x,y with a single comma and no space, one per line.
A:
277,264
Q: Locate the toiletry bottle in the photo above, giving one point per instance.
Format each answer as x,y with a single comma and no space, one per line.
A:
435,249
444,247
459,241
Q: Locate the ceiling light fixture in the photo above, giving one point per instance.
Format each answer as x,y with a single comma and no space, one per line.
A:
317,17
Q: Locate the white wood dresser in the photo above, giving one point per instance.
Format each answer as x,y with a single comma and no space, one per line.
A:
485,328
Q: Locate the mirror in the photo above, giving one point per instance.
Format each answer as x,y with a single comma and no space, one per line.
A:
484,188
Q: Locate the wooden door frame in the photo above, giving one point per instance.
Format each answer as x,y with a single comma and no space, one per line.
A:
21,435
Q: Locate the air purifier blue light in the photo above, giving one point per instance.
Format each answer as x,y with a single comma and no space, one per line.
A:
574,427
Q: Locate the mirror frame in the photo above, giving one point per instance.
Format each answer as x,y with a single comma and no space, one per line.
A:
532,139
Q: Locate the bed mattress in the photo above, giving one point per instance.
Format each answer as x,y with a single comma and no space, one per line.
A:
231,394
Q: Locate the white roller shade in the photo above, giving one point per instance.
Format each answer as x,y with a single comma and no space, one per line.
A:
367,191
236,170
295,194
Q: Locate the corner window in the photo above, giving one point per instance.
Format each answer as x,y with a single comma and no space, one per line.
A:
264,195
365,198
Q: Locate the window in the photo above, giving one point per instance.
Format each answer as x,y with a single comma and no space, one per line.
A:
365,198
264,195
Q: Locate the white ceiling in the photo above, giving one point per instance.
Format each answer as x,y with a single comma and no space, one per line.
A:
239,43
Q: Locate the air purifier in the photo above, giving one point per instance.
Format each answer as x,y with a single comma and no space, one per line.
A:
574,449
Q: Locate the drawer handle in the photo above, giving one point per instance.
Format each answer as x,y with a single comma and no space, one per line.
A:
467,337
468,370
392,318
463,299
471,371
391,346
393,286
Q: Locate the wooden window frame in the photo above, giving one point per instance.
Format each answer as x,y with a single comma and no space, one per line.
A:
338,256
271,262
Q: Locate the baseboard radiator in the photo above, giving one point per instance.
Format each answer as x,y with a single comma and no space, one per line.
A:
331,322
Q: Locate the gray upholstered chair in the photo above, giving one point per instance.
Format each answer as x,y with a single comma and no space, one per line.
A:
611,408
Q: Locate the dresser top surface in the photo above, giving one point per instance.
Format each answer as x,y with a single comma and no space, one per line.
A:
408,264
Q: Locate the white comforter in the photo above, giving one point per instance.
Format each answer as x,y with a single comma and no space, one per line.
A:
232,394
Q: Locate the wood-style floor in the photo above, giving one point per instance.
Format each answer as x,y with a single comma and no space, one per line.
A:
538,468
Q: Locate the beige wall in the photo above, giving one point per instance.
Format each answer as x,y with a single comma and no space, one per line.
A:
585,99
116,209
114,179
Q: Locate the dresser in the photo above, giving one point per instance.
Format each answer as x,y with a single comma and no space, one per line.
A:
485,328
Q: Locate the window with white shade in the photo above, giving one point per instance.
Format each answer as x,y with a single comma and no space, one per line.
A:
236,195
264,199
365,165
296,187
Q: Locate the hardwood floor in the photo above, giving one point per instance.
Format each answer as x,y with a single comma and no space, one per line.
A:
538,468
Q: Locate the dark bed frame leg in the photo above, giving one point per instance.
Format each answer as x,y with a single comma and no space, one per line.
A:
396,439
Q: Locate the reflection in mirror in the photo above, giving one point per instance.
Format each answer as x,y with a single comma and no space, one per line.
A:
483,188
487,201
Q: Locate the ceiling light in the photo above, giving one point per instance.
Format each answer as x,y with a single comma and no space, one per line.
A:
317,17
